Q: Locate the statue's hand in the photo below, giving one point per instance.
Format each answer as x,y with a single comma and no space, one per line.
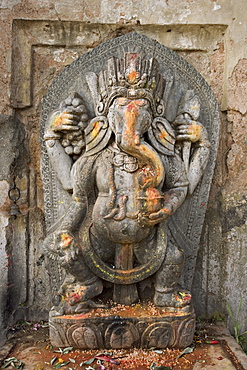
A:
192,132
161,215
154,218
66,127
65,121
189,130
72,115
67,249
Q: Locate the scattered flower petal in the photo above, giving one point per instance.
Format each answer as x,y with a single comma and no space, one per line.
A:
185,351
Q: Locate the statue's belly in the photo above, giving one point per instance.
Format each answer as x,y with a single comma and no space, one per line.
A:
126,230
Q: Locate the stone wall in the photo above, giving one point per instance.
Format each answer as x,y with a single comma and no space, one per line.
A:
37,40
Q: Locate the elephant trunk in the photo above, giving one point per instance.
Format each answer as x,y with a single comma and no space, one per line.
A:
130,141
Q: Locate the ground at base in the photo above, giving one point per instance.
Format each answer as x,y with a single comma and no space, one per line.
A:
28,347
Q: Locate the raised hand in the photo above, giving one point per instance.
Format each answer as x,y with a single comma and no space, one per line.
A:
187,129
72,115
67,125
66,248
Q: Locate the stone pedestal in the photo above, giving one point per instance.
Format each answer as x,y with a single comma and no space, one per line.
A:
139,326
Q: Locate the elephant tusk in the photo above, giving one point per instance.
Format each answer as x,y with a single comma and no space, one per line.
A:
137,140
118,138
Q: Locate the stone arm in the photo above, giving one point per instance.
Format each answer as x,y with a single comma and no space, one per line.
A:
198,161
173,198
62,242
174,190
65,240
64,137
193,132
66,235
60,161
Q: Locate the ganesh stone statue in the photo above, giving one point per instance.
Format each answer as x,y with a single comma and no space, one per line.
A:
126,145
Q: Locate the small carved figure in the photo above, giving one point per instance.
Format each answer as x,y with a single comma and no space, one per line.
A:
129,169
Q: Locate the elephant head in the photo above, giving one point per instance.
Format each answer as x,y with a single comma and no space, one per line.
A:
129,119
129,101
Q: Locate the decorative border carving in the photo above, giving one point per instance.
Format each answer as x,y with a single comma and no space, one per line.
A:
171,331
85,336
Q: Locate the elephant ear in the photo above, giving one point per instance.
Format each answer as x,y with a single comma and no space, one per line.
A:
97,135
162,136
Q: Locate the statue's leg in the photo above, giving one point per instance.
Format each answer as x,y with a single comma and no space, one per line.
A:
167,293
80,284
145,249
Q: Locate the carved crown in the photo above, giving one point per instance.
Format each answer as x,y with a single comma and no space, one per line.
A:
131,77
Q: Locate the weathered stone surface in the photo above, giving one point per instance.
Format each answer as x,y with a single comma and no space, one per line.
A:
80,37
142,93
129,327
10,157
223,256
178,25
4,187
223,268
110,12
238,88
9,140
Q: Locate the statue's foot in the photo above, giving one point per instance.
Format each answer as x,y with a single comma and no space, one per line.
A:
76,297
177,299
86,306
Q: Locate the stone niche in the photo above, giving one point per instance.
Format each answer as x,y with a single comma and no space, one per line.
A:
129,138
